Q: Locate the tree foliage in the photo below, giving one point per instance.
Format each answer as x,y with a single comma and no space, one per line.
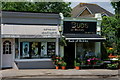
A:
110,31
116,6
56,7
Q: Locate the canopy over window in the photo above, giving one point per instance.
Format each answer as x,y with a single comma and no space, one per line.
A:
29,31
84,37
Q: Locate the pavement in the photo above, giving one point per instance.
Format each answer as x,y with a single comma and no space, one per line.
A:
53,73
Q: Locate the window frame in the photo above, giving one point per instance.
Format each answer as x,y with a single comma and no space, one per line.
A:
7,47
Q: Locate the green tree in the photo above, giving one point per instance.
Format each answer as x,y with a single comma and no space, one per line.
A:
110,31
116,6
56,7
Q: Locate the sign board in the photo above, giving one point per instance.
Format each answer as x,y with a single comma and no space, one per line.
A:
79,27
27,31
80,40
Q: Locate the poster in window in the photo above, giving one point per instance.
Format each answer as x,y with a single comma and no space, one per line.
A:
44,49
51,48
35,49
25,49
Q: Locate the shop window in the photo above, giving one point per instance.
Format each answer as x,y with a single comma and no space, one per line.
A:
50,48
24,53
36,50
16,48
84,50
7,47
44,49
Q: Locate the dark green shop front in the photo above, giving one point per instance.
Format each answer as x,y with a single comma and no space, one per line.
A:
82,41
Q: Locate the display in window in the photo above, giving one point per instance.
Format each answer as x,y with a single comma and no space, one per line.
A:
43,49
35,49
25,49
51,48
16,48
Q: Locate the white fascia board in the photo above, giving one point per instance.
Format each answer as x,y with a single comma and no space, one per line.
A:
83,11
85,38
80,19
89,10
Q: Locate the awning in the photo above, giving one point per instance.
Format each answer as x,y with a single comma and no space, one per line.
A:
83,37
29,31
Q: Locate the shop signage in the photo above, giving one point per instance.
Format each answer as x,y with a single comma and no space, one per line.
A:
79,27
76,40
49,31
9,36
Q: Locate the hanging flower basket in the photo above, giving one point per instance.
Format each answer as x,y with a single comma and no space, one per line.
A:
63,41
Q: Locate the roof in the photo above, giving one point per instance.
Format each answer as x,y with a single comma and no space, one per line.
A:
31,14
28,12
92,8
20,17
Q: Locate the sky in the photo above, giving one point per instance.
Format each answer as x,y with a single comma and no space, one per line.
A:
106,5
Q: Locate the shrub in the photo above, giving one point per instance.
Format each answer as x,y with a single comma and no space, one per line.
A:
77,64
63,64
112,66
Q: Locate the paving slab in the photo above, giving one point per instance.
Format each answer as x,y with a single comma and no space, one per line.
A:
0,74
11,73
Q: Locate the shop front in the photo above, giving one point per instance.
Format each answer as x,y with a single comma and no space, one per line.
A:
26,48
83,39
27,42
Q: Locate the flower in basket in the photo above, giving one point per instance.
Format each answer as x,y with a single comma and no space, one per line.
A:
109,50
89,63
89,60
92,60
57,57
112,66
60,62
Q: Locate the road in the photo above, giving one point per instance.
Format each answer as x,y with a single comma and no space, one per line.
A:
63,79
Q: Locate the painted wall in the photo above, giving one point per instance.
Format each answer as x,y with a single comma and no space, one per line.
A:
35,65
0,46
24,18
98,44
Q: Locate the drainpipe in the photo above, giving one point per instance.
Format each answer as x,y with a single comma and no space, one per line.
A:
98,44
0,41
99,19
61,32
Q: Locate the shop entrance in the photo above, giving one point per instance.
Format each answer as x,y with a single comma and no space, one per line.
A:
7,57
69,54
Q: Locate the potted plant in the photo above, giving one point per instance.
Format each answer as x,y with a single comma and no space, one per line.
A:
57,66
77,66
112,66
63,65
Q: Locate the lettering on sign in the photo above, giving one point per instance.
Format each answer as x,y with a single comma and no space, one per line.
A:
48,31
79,27
78,40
